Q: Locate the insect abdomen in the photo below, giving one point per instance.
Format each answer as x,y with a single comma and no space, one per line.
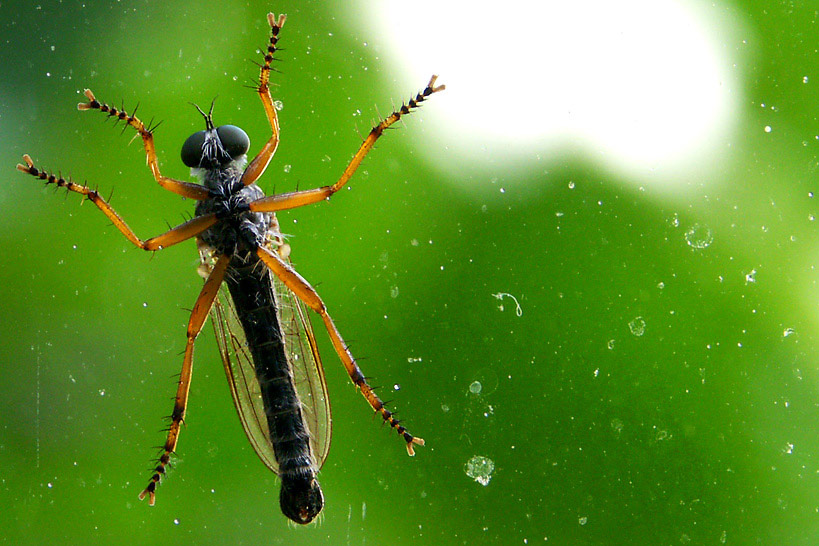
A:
255,302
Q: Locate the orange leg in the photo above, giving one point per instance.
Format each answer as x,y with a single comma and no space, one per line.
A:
256,168
200,312
292,200
310,297
185,189
176,235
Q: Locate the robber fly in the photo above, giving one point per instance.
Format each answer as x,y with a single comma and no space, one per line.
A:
256,300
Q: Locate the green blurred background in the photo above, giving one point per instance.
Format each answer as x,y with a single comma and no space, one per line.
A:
659,386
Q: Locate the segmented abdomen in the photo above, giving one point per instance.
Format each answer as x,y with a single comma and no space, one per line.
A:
256,306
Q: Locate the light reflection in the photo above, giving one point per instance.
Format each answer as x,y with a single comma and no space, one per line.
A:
648,86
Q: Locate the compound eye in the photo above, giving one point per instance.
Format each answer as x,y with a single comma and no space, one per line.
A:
234,140
192,149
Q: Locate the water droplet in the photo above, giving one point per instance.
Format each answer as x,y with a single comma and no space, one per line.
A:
444,408
617,426
480,469
501,295
699,237
278,105
484,382
768,129
394,292
788,332
637,326
176,521
675,220
571,185
396,387
788,449
102,392
610,344
287,168
583,520
750,277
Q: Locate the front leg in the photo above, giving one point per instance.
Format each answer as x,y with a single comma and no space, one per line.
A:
178,234
256,168
185,189
284,201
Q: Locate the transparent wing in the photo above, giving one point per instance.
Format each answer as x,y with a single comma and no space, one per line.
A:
300,345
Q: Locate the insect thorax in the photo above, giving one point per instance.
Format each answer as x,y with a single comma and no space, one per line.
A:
238,229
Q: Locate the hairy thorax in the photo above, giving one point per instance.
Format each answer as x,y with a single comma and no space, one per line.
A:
239,230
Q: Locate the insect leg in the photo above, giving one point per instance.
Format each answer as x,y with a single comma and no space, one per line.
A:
291,200
259,164
176,235
185,189
200,312
310,297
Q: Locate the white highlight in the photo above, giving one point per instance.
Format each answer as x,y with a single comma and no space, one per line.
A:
645,86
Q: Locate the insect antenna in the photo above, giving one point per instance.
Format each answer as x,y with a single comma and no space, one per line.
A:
209,116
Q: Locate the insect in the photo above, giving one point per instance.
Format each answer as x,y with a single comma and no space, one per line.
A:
256,300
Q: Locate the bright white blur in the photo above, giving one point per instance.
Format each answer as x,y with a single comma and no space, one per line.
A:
645,87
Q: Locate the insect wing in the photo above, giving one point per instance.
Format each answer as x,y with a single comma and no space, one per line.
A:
241,376
300,345
308,373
